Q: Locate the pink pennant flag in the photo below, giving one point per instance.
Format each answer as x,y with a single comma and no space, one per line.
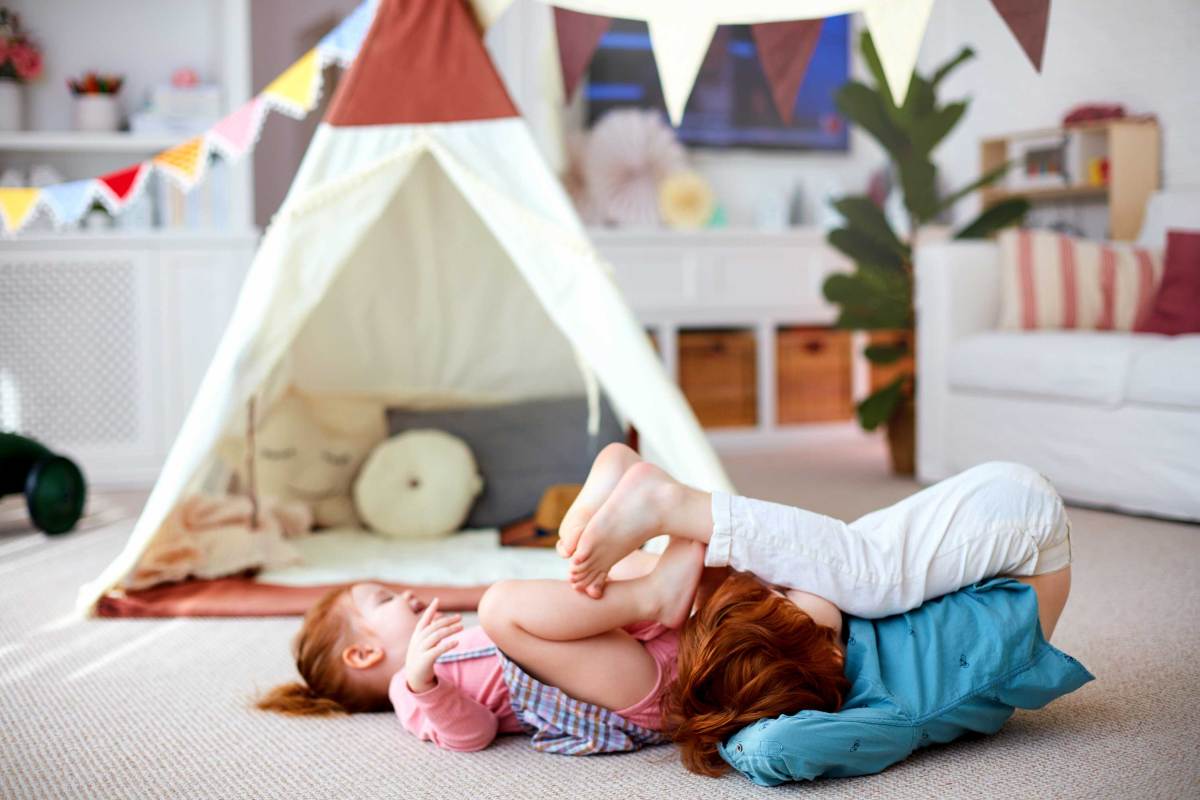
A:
578,36
1027,19
785,50
236,133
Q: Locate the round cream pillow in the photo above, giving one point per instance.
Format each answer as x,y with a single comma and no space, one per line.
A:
420,484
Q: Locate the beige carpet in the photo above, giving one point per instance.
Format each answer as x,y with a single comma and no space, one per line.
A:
128,709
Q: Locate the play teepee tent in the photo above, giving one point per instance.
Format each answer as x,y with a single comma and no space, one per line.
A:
425,253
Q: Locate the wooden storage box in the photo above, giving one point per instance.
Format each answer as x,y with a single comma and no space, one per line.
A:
717,375
814,381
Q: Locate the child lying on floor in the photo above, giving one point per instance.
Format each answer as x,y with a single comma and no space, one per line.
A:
579,675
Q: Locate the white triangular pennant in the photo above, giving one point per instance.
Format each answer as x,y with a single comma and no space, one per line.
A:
679,43
897,26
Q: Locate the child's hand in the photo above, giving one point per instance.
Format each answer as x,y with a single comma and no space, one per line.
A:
430,639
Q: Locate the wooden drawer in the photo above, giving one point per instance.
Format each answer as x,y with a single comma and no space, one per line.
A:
883,374
814,380
718,376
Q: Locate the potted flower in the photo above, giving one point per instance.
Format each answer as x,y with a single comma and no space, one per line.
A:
96,106
878,295
20,62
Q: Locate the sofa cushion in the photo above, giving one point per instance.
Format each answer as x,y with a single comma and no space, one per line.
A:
1081,366
1168,374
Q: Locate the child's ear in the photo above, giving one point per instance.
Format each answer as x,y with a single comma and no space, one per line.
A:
362,656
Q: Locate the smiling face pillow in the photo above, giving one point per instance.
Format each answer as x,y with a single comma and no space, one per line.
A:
420,484
308,449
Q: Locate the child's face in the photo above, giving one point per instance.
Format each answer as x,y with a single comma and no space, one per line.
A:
388,617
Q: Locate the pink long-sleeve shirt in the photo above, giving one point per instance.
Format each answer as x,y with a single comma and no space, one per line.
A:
469,705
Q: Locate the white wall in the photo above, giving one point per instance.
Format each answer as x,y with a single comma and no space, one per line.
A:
1143,54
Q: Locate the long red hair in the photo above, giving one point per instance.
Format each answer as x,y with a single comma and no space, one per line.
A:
746,655
326,687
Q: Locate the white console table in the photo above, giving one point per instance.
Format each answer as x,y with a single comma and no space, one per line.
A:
727,278
104,339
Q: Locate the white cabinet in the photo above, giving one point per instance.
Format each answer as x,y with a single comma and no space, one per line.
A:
104,340
760,281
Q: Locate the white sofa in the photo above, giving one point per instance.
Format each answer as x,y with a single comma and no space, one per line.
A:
1113,419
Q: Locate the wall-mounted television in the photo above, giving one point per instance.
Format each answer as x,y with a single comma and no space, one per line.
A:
731,104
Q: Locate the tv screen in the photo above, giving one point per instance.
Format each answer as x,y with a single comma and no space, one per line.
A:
730,105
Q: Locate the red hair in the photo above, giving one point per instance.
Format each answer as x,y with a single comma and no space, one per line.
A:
326,688
746,655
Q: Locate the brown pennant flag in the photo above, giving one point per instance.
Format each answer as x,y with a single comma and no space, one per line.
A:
785,50
1027,19
578,36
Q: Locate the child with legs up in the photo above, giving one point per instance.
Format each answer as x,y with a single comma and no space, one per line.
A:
995,519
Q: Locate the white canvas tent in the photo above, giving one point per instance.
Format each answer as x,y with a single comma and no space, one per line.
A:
426,253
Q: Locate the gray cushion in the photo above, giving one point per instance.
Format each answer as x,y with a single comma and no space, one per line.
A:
521,449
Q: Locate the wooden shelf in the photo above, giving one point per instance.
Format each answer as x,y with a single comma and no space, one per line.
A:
84,142
1036,193
1131,147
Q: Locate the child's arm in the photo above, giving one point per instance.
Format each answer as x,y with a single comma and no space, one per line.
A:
437,710
443,715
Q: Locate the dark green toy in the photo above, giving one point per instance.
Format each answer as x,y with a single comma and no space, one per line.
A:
53,486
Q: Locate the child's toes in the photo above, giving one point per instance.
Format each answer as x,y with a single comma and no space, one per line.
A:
596,590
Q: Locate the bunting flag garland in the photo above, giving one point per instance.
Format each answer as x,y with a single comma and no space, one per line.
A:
297,90
117,189
183,164
578,36
234,135
295,93
16,205
341,44
785,50
1027,19
785,32
897,27
68,202
679,48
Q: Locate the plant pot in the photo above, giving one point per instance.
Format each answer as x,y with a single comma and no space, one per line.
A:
902,438
12,116
97,112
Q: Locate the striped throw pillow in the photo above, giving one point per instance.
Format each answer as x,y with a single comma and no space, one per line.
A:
1050,280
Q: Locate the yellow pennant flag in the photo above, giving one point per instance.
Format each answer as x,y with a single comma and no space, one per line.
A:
183,160
16,205
296,89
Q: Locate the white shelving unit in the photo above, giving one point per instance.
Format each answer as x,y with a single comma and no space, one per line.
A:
105,335
82,142
759,281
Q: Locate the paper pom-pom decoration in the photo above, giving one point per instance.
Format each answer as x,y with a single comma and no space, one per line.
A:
629,153
686,200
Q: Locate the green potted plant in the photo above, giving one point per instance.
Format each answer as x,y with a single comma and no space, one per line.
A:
878,294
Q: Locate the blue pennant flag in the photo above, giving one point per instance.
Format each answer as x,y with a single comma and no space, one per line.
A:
345,40
69,201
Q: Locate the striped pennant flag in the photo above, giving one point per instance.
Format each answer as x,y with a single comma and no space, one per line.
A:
296,91
17,205
184,163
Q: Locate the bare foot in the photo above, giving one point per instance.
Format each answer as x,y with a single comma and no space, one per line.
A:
629,517
606,472
675,579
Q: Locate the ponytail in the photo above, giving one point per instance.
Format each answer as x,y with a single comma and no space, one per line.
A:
297,700
326,688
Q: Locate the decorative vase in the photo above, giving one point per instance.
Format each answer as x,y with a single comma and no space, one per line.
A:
902,436
11,106
97,112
